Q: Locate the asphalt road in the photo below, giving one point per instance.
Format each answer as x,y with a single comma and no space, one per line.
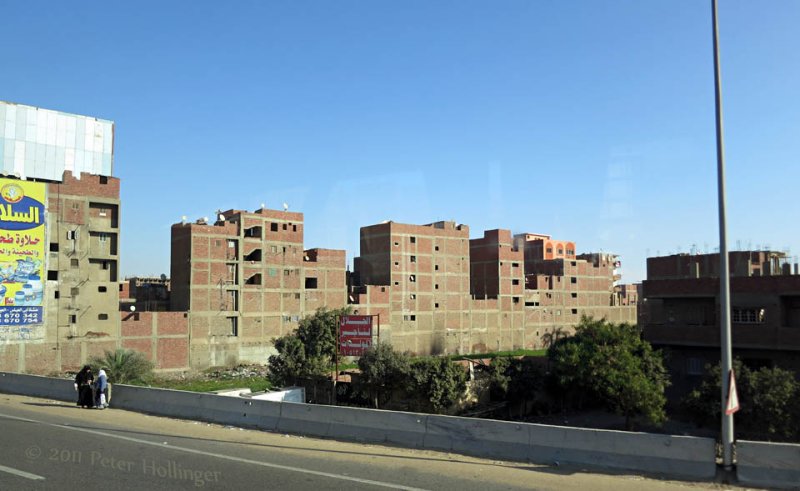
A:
47,444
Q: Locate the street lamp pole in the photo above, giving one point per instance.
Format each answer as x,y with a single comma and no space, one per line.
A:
724,270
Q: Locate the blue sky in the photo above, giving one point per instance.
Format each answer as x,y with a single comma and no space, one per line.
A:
591,121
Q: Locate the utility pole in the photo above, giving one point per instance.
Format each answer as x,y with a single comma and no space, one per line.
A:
724,269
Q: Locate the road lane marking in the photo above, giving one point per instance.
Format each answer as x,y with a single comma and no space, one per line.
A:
20,473
218,456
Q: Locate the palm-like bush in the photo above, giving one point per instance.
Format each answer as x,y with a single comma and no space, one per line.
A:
123,366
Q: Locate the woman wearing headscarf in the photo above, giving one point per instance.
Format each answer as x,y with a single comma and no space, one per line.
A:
83,382
101,386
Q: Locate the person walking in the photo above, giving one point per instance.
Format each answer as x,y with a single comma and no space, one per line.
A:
83,383
101,388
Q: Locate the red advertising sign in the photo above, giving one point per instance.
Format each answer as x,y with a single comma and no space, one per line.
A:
355,334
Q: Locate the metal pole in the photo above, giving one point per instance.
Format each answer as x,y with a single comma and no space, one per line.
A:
724,270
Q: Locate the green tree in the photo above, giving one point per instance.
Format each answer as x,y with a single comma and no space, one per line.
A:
614,365
383,372
438,382
123,366
769,400
310,350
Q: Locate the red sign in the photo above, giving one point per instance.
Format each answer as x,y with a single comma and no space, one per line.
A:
355,334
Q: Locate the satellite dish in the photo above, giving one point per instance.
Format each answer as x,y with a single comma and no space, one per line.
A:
286,207
221,217
133,308
163,277
183,218
263,206
205,219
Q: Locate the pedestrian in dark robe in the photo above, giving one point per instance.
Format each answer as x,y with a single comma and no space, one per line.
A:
83,381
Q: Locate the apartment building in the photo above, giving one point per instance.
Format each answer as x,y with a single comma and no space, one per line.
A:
681,311
518,291
424,269
245,279
60,268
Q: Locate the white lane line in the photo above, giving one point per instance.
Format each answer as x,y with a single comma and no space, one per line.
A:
20,473
218,456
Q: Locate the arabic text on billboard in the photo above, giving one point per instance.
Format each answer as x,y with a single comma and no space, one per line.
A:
355,334
22,255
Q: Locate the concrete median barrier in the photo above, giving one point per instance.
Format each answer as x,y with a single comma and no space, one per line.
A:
36,386
763,464
372,425
478,437
304,419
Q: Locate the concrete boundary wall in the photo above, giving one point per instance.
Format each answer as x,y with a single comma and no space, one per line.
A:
765,464
674,456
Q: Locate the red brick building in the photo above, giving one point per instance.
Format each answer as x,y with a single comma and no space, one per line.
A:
245,279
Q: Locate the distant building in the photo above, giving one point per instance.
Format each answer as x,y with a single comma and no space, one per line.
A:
681,311
145,294
502,293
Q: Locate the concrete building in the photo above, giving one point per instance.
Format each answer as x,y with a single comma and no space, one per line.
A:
70,258
681,311
245,279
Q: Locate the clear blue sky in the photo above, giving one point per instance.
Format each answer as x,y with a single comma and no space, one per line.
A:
591,121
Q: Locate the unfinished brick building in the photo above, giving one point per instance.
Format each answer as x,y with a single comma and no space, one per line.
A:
521,291
245,279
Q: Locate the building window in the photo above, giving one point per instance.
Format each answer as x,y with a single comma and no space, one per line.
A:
412,279
574,311
285,227
52,275
573,279
53,246
748,315
396,283
101,289
515,265
73,318
436,305
413,259
231,244
73,263
694,366
413,296
55,294
436,286
413,239
574,295
436,267
294,228
103,237
217,243
102,317
561,252
409,317
396,244
273,227
311,283
297,296
396,263
436,248
549,250
515,299
515,282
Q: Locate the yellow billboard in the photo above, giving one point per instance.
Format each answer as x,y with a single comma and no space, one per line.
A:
22,253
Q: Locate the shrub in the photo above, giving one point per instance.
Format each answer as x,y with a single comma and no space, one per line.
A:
123,366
